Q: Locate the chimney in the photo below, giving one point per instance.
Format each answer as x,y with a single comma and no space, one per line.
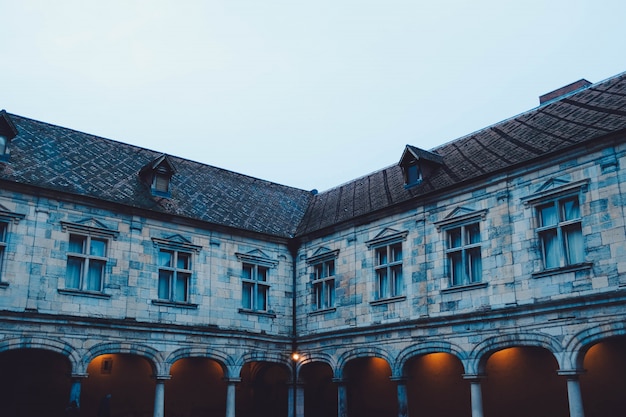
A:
570,88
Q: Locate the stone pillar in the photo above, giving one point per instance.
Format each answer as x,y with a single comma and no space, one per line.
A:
403,403
230,396
299,400
342,398
76,386
476,394
574,395
159,396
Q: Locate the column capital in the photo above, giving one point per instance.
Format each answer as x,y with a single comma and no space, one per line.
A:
162,378
474,377
233,380
401,379
571,373
79,375
339,381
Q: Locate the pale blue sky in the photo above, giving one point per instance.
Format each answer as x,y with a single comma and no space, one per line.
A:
309,94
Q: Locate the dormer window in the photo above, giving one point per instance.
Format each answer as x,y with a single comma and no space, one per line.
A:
158,174
417,163
7,132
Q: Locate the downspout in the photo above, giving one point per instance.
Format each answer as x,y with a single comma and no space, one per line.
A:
294,246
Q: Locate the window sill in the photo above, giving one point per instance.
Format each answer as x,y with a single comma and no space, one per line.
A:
4,284
388,300
322,311
464,287
269,314
569,268
166,303
93,294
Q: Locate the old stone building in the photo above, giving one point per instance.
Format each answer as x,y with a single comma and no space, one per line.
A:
485,277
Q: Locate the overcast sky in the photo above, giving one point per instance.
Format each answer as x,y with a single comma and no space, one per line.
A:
309,94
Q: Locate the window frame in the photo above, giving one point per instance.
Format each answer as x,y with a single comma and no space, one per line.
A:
85,260
393,288
175,245
256,261
464,248
556,189
7,218
322,280
88,229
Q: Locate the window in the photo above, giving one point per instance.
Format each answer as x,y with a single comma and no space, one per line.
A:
255,287
324,284
560,232
463,252
3,244
86,261
388,267
174,275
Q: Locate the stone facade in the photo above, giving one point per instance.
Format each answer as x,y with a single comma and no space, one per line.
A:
517,242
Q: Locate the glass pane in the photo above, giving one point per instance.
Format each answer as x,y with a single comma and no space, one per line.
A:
473,233
570,209
318,292
180,290
396,252
550,249
397,280
74,272
456,268
166,258
183,261
331,268
246,272
574,242
246,295
161,182
262,273
94,275
454,237
381,256
330,293
547,215
165,277
77,244
475,265
261,301
319,271
3,232
383,283
98,247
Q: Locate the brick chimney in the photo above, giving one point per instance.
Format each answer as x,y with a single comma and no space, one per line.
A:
570,88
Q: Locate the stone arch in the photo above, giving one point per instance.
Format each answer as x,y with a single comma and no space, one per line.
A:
226,362
478,357
153,356
423,349
54,345
361,352
316,357
580,343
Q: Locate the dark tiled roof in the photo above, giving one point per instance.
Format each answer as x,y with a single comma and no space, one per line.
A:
65,160
577,118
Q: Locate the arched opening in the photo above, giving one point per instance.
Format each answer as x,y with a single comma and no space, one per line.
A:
522,382
129,380
320,392
263,391
35,382
436,388
370,391
196,388
604,383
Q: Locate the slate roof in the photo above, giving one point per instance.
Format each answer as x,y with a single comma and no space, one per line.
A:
60,159
64,160
582,116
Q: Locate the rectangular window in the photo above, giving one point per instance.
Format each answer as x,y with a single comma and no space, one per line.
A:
86,261
174,275
324,284
388,268
464,259
255,287
3,245
560,232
